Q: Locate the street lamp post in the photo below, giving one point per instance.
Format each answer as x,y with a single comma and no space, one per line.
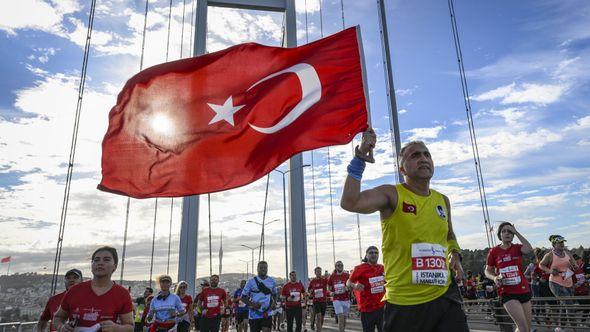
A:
252,251
262,233
283,173
247,271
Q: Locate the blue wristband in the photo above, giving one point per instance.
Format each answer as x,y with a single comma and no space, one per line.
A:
356,167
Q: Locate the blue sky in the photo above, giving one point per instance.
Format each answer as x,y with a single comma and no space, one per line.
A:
528,70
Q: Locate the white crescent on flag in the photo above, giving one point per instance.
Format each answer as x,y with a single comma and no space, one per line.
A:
311,92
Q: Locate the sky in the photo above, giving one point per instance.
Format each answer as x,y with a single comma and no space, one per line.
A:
528,73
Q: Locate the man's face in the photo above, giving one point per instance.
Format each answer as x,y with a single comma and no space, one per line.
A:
339,267
293,276
506,235
214,281
417,162
262,269
373,256
103,264
147,293
71,280
318,272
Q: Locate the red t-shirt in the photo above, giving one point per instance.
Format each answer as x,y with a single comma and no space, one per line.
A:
318,289
51,308
372,278
212,299
542,274
580,282
293,293
338,284
186,300
508,263
89,309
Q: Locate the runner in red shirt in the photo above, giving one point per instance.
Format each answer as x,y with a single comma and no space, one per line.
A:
292,294
341,296
72,277
97,303
504,267
318,291
187,320
211,301
368,284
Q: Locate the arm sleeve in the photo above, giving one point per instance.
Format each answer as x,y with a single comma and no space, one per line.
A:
179,306
65,302
284,291
127,305
354,275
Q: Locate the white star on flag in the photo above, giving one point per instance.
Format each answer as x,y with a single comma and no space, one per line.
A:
225,111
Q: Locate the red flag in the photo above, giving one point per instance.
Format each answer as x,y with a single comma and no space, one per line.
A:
5,259
409,208
225,119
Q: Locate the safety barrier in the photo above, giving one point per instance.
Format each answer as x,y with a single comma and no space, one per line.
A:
18,326
548,312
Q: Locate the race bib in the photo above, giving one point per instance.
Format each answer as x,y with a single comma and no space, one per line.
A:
429,264
318,293
90,316
295,296
510,275
376,284
489,288
241,304
212,301
339,288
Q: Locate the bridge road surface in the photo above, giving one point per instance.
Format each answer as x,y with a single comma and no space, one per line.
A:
354,325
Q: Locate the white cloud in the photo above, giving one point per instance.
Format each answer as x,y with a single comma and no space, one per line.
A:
525,93
402,111
424,133
580,124
29,14
511,115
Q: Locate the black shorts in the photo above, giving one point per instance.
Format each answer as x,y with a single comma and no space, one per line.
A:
241,316
256,325
444,313
522,298
320,308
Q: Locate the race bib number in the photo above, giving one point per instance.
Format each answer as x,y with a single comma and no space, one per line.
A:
376,284
510,275
489,288
339,288
90,316
429,264
212,301
318,293
295,296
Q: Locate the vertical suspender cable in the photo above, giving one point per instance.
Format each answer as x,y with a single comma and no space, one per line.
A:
170,235
123,256
261,248
192,25
210,252
168,35
358,219
64,208
467,102
329,168
182,28
153,241
315,230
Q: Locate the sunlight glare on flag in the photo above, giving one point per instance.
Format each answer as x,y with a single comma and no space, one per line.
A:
162,125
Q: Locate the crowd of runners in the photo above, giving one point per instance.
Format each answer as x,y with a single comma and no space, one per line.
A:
418,288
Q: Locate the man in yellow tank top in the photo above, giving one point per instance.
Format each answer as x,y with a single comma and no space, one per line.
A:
419,246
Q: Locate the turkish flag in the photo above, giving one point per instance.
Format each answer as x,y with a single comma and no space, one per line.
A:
409,208
226,119
5,259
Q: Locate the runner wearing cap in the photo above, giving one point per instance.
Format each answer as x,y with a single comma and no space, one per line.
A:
166,307
293,295
560,265
368,284
98,303
504,266
211,301
340,294
318,291
71,278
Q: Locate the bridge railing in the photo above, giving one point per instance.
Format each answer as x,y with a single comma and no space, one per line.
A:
17,326
548,312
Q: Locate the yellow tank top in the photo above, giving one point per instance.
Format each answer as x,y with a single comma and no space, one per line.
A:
415,248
